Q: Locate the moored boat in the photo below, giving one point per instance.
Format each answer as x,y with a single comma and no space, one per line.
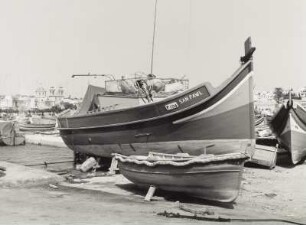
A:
259,121
38,124
210,177
186,121
36,127
8,135
289,126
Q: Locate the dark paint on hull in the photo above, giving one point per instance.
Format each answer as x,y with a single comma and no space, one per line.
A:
294,138
204,129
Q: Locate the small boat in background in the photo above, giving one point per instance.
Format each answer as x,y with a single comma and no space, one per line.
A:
210,177
289,126
36,123
8,135
36,127
259,121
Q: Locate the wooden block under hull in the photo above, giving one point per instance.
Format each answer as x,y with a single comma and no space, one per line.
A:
264,156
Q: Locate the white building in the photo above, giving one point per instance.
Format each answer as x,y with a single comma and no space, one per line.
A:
47,99
56,96
7,102
303,92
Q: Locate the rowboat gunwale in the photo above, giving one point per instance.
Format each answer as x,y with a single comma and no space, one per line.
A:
209,170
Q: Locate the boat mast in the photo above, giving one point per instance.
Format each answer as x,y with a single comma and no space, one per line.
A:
153,40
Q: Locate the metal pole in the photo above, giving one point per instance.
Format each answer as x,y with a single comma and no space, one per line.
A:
153,41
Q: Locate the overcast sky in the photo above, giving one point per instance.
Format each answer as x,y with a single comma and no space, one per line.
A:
44,42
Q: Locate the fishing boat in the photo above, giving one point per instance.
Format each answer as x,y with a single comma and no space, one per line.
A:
210,177
183,122
289,126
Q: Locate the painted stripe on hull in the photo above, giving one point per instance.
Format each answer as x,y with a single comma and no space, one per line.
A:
230,127
237,97
193,147
157,111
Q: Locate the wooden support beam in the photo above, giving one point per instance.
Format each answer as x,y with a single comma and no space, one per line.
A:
114,166
150,193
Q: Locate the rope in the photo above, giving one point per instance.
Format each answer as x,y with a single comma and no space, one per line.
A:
180,162
153,41
225,219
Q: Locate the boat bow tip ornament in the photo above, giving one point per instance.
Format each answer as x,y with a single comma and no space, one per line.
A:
249,50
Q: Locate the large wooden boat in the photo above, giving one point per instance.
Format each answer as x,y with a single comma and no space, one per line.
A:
211,177
289,126
186,121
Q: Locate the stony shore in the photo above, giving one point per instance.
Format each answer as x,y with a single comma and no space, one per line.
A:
33,195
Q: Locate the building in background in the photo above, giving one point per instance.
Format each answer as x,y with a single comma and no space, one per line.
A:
42,99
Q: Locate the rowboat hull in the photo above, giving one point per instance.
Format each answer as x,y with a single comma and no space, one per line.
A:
36,127
8,134
217,181
292,134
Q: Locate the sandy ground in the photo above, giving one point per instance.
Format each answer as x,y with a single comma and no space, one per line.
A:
265,194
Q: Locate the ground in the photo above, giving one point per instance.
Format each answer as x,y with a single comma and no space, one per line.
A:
265,194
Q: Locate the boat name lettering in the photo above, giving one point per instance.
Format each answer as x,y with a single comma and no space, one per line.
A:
190,97
172,105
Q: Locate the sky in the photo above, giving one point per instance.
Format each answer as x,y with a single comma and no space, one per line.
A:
44,42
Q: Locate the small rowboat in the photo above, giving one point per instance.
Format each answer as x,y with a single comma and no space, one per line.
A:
38,124
8,135
210,177
36,127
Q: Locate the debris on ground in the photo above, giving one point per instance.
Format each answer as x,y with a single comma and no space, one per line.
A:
205,211
271,195
88,164
53,186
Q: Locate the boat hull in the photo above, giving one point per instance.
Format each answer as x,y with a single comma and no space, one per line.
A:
294,139
36,127
216,181
292,134
191,137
